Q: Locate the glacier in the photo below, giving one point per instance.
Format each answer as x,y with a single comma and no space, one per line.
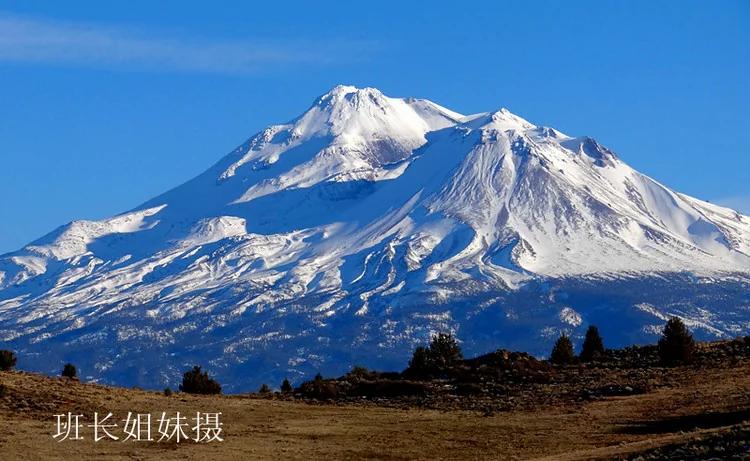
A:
352,233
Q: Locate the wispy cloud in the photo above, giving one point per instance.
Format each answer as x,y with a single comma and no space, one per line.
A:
41,41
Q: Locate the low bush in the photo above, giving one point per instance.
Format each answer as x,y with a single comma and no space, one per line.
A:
320,389
357,373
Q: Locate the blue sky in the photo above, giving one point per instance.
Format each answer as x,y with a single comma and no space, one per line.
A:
106,104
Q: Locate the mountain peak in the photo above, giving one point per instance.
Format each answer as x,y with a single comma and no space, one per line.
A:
345,99
362,226
501,120
347,94
356,132
359,115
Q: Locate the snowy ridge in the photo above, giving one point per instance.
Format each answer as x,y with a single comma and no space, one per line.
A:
360,227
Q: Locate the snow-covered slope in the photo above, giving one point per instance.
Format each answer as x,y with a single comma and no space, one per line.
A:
352,232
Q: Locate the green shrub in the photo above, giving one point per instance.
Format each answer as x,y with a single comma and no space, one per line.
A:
167,391
7,360
357,373
319,389
264,389
196,381
562,352
69,371
593,346
676,345
286,387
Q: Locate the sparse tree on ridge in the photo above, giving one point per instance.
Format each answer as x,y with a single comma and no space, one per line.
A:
69,371
445,352
7,360
196,381
562,352
676,345
442,355
593,346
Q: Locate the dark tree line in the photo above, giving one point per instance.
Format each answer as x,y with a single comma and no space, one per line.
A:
443,355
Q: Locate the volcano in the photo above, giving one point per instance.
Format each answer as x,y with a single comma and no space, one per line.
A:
352,233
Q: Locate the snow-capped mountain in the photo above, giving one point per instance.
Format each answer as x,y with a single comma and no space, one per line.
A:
351,233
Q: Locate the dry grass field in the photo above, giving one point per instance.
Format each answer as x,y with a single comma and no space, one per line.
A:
701,402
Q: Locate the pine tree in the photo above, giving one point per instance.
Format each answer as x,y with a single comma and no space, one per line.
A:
196,381
562,352
438,359
7,360
419,365
69,371
676,345
286,387
593,347
445,353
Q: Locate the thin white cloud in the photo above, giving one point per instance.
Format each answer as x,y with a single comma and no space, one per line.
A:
41,41
738,203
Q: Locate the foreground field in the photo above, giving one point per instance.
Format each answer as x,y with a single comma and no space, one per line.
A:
697,405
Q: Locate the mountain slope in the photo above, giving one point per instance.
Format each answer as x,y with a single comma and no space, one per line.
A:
352,232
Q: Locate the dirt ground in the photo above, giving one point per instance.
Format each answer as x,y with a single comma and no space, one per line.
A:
702,402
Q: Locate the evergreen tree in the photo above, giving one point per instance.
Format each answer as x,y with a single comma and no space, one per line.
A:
438,359
419,365
196,381
676,345
69,371
445,353
286,387
562,352
7,360
593,347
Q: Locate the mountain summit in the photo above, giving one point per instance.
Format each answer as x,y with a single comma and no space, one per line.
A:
351,233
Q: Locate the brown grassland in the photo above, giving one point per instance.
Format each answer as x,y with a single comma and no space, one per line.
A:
694,403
